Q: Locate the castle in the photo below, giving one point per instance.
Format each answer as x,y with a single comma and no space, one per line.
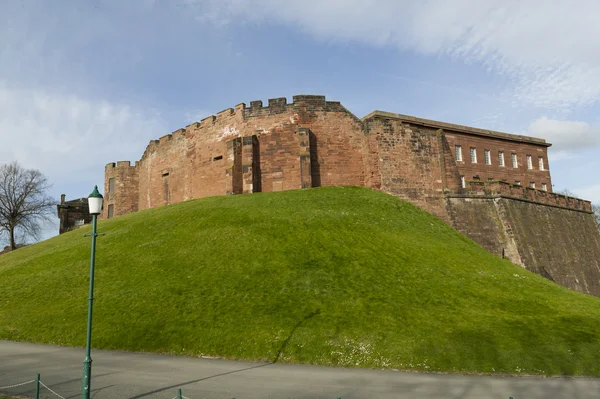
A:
494,187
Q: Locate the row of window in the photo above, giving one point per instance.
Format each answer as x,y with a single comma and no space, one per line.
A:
488,158
463,182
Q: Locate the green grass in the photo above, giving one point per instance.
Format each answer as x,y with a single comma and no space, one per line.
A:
333,276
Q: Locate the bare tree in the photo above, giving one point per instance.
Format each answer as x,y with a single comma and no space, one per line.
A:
24,202
566,192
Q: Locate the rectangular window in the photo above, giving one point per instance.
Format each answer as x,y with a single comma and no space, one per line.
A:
541,163
473,155
529,162
532,185
544,187
500,158
514,161
458,152
111,210
488,158
111,188
463,182
518,183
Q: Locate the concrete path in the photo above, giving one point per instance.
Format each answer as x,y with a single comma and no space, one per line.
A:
134,375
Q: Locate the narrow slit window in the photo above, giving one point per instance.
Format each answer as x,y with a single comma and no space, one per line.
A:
218,158
488,158
501,158
529,162
515,163
541,162
463,182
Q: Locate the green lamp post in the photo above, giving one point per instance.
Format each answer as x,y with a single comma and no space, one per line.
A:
95,205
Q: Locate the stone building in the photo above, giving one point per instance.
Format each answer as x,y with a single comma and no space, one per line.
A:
72,214
444,168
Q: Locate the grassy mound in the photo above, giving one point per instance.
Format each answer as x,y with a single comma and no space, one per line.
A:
334,276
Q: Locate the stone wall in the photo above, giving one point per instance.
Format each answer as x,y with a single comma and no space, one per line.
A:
72,214
121,187
307,143
494,170
409,163
560,244
312,142
507,190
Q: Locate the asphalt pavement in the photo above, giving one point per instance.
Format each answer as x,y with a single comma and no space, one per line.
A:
118,374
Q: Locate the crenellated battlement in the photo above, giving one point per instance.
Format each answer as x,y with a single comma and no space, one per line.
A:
288,144
514,191
118,165
275,106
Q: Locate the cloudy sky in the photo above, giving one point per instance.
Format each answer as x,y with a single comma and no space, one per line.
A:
84,83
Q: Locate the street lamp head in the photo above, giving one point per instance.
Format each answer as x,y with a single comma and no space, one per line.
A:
95,202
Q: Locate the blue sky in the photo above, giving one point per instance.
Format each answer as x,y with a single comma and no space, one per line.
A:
87,83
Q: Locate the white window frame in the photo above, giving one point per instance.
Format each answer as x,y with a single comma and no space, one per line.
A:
463,182
529,162
544,187
473,152
487,156
518,182
501,158
458,153
541,163
532,184
515,160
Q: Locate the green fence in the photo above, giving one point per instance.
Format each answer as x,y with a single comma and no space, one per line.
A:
38,383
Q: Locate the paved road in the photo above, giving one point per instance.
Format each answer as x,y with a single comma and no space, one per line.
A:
135,375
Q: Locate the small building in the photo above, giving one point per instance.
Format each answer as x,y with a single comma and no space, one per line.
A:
72,214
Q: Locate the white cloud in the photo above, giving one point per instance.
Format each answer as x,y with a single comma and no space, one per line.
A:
545,48
68,137
567,137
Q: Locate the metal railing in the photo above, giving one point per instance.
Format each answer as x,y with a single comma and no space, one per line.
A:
39,383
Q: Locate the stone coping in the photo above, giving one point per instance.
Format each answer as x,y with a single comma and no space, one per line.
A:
495,189
457,128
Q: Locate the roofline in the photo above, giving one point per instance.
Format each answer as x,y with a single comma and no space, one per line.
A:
457,128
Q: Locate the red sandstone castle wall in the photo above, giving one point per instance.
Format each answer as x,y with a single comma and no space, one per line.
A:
120,189
410,163
310,142
494,171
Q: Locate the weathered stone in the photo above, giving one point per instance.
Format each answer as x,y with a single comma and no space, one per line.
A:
312,142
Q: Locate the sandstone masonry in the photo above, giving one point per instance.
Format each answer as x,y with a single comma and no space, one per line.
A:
312,142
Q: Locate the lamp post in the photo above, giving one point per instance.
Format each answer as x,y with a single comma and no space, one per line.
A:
95,205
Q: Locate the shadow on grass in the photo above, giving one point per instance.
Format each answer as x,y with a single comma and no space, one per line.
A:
287,340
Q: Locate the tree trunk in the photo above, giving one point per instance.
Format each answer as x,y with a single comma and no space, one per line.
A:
13,244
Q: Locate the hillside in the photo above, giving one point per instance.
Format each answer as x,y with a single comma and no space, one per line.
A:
339,276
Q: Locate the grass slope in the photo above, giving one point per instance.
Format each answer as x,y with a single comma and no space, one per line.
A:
334,276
